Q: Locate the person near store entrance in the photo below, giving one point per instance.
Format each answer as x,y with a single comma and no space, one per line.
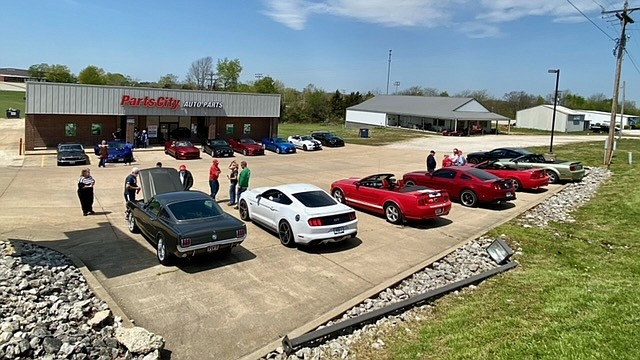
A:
214,174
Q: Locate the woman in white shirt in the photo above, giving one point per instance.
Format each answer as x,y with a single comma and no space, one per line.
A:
85,191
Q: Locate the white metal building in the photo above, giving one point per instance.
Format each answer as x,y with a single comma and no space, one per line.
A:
423,113
604,118
541,118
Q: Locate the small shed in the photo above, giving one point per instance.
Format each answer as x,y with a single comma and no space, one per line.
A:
541,118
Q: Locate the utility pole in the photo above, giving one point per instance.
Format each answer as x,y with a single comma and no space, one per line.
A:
624,83
388,71
623,16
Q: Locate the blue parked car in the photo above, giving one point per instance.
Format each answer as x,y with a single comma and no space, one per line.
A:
278,145
116,150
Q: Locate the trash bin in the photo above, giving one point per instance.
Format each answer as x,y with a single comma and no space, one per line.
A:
364,133
13,113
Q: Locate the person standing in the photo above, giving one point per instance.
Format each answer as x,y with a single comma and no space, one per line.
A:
158,164
243,180
145,139
461,160
431,162
446,162
233,182
186,178
103,153
454,157
214,174
131,187
85,191
128,153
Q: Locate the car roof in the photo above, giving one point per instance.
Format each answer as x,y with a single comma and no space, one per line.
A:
294,188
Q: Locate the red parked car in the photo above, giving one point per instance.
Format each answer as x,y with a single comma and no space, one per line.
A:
467,184
181,149
381,194
246,146
522,178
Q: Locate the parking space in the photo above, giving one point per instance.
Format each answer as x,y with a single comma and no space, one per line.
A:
229,307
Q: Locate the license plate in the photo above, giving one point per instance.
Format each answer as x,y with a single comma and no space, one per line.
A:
509,194
338,230
439,211
225,155
213,248
72,162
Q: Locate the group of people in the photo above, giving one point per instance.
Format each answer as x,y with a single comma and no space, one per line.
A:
103,153
238,179
457,159
140,138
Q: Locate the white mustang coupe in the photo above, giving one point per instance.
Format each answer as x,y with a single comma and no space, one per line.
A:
305,142
299,213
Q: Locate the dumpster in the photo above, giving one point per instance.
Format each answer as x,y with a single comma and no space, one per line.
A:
364,133
13,113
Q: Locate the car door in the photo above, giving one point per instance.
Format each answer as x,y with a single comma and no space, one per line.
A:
444,179
366,193
265,208
149,212
497,154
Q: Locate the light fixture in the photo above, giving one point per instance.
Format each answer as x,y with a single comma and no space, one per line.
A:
499,251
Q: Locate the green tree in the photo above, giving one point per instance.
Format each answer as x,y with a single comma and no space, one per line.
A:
60,73
38,71
316,104
92,75
168,81
117,79
228,73
266,85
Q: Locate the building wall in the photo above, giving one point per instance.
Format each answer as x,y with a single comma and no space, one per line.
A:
541,118
226,128
50,130
366,118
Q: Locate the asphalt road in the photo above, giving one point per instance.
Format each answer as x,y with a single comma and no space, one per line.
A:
227,308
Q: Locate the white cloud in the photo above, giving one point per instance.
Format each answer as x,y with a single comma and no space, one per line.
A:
473,17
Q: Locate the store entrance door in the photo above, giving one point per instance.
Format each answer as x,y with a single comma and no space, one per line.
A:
165,131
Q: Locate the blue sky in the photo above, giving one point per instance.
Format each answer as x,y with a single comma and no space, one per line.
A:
452,45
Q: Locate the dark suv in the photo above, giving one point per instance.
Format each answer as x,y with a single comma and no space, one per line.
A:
328,138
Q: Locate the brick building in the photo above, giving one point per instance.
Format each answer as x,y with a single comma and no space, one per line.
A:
86,114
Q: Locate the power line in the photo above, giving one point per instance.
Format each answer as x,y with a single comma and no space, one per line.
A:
632,60
591,21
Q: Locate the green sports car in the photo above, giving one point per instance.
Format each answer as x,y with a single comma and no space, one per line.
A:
557,170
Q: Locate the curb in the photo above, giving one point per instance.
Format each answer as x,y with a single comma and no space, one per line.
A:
344,307
94,284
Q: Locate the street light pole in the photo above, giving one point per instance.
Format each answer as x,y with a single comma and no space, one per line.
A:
555,103
396,83
388,71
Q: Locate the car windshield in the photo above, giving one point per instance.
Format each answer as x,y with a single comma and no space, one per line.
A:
247,141
482,175
314,199
195,209
116,145
306,137
218,142
70,148
183,144
279,140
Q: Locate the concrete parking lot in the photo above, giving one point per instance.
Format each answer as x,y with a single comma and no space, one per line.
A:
227,308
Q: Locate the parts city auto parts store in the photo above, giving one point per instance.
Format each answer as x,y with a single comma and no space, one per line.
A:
86,114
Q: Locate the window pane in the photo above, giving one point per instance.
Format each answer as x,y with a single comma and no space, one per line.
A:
314,199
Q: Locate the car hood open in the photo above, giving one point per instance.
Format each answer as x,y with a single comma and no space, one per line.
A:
156,181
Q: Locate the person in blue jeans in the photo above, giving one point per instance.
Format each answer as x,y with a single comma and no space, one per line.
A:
214,174
233,182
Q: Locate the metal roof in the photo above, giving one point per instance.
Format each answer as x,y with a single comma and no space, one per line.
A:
14,72
439,107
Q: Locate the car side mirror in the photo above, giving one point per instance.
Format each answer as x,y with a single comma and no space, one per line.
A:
357,184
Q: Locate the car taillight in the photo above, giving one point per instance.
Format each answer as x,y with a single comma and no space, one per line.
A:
498,185
352,216
433,197
574,167
240,233
537,174
315,222
185,242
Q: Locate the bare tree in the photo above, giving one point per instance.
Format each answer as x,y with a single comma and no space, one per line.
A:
200,72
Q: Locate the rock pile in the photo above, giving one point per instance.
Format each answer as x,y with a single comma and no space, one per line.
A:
469,260
48,311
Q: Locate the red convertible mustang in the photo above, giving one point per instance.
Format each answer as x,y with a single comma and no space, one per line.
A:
522,178
381,194
246,146
468,184
181,149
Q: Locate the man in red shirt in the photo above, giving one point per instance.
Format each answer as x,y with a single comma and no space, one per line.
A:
214,173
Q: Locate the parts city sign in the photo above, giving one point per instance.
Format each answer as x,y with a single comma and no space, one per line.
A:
166,103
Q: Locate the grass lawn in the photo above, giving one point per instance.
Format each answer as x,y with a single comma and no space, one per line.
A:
575,295
13,99
377,136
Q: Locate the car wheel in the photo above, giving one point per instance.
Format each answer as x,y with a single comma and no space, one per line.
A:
338,195
59,163
244,152
517,185
161,251
286,234
473,161
304,147
468,198
410,183
277,150
393,213
131,223
166,152
244,211
553,177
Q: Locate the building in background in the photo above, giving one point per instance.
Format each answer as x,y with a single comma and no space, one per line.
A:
86,114
13,75
465,115
604,118
541,118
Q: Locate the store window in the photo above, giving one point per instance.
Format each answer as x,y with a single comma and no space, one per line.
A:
96,129
71,129
247,129
229,129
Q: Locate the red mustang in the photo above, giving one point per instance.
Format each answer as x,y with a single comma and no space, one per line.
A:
468,184
381,194
246,146
181,149
522,178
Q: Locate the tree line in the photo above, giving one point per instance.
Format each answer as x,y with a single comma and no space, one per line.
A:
311,104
